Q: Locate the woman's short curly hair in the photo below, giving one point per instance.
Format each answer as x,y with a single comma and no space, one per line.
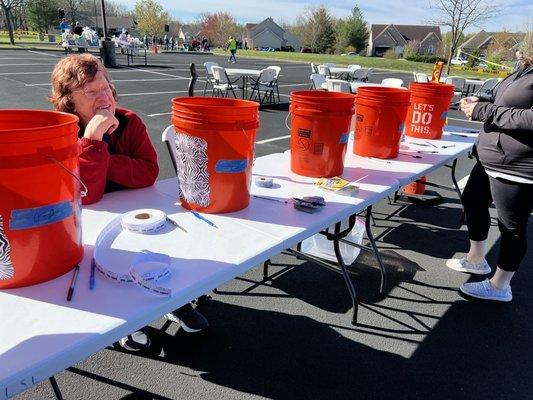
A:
72,73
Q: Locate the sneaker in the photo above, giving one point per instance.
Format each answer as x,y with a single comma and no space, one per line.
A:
137,341
463,265
484,290
189,318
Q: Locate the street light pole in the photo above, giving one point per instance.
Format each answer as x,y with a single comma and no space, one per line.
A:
104,22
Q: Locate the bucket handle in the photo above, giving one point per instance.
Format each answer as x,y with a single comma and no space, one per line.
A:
287,119
84,190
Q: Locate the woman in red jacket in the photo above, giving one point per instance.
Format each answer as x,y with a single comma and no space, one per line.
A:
116,151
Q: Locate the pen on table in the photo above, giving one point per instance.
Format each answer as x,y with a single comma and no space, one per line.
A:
270,198
203,219
431,144
458,134
418,144
91,278
73,282
427,151
176,224
412,155
313,203
446,146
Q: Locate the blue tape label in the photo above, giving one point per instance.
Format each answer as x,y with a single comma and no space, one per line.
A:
231,166
40,216
444,115
401,128
344,138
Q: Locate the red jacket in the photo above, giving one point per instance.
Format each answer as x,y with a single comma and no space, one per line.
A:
128,161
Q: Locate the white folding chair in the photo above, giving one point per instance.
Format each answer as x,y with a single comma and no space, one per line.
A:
209,80
392,82
266,84
330,65
314,68
169,138
222,84
324,70
318,81
487,88
367,74
358,74
276,82
338,85
459,84
420,77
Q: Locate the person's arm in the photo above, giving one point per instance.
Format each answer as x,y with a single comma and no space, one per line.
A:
139,167
94,159
508,118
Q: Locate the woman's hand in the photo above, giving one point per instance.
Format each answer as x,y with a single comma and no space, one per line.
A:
467,105
102,122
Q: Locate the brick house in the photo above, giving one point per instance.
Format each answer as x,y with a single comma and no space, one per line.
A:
484,40
395,37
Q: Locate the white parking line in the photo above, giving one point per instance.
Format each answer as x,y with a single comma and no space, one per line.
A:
155,93
159,114
46,54
21,65
122,80
273,139
463,120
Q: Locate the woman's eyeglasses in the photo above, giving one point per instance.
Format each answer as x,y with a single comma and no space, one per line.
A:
94,93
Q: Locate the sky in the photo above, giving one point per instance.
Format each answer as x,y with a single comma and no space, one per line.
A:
515,15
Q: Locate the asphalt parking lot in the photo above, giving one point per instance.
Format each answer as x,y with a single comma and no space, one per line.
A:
290,337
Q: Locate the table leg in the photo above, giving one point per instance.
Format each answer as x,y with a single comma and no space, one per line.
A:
375,250
56,389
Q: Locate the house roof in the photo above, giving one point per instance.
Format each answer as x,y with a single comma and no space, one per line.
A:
409,32
483,37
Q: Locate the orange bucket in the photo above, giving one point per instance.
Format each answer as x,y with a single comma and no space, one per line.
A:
380,113
40,202
416,187
429,108
215,140
319,132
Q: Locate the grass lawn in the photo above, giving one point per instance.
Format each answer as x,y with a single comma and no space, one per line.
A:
26,37
367,62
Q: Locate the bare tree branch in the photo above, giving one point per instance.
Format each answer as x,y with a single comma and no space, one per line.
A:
460,15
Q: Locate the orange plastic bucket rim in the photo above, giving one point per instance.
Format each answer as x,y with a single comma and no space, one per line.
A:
214,105
436,89
318,97
25,125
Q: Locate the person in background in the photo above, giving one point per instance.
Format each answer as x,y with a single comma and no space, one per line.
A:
63,26
232,47
116,151
503,174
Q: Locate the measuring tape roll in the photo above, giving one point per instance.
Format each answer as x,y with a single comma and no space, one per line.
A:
145,220
263,181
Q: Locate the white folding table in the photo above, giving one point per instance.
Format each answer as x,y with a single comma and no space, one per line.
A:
245,74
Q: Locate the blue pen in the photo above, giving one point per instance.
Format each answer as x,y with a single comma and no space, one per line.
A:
91,278
203,219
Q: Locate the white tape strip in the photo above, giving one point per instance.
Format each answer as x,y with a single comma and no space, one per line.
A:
145,270
263,181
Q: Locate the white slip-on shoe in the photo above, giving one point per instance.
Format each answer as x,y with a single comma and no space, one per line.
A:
485,291
463,265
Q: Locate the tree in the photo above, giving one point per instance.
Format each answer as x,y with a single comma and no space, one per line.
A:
75,9
460,15
7,7
218,27
353,31
151,17
41,14
315,28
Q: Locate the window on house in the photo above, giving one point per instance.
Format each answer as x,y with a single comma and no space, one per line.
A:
431,49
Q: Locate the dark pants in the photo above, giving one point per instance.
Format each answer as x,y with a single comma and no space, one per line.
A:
514,203
232,55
